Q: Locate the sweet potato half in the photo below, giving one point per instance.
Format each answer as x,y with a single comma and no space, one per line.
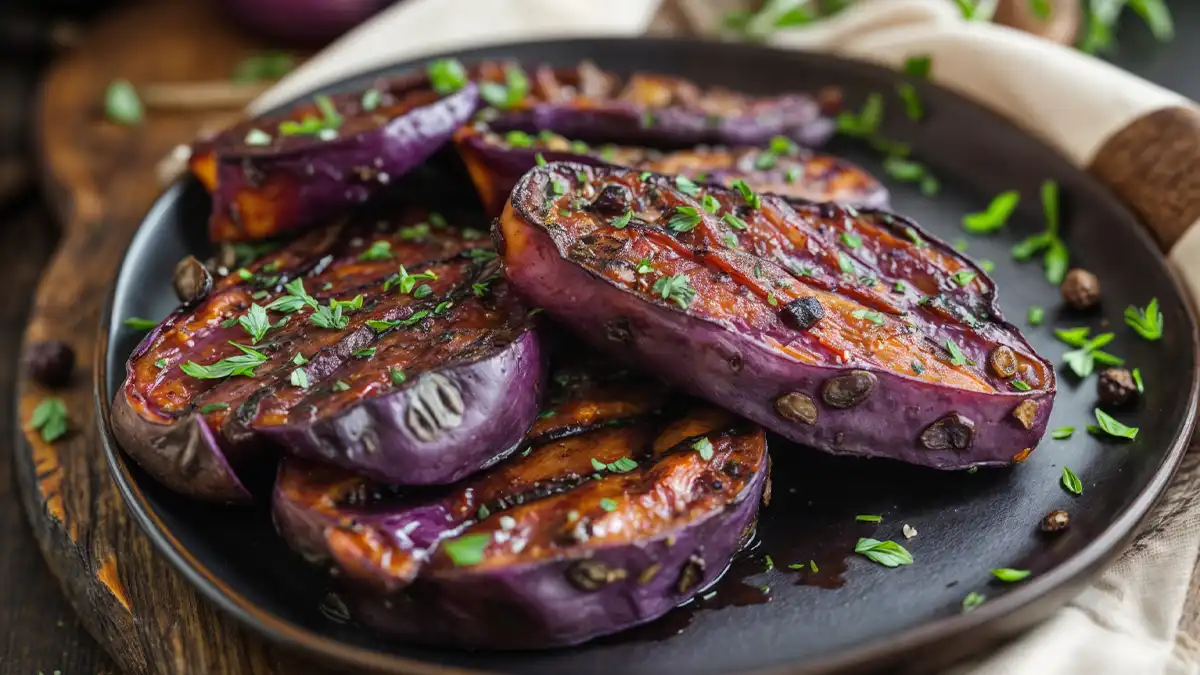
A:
393,349
849,330
496,161
624,503
273,175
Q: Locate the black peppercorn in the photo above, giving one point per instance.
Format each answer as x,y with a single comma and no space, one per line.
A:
1115,387
192,280
50,362
1056,521
1081,289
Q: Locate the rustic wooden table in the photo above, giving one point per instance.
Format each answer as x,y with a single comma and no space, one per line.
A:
40,631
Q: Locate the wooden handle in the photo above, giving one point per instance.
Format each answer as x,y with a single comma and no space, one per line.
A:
1153,164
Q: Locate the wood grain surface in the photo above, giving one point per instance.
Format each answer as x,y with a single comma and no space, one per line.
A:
101,179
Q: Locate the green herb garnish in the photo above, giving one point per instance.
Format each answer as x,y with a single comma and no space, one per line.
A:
257,138
1071,482
704,447
1112,427
1137,380
918,65
1062,433
508,95
299,378
913,109
296,298
621,221
49,418
676,288
138,323
995,216
1036,315
868,519
972,600
886,553
1010,575
121,103
753,199
261,67
686,219
242,364
850,240
644,266
870,315
378,250
865,123
468,549
963,277
255,322
686,186
1055,257
608,505
213,407
1148,322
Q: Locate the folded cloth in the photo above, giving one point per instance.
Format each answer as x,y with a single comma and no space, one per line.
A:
1101,118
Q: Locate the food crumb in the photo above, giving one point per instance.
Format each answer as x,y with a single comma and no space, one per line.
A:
909,531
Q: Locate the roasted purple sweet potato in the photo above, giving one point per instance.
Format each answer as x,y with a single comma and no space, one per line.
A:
497,161
270,176
590,104
395,352
848,330
617,511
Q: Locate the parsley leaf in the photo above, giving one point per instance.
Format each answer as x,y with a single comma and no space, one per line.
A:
734,222
508,95
753,199
621,221
1112,427
447,76
242,364
49,418
686,219
396,374
704,447
1071,482
676,288
378,250
255,322
918,65
870,315
468,549
1062,433
330,316
295,300
995,216
963,277
644,266
886,553
138,323
972,600
686,186
299,378
864,123
1036,315
913,109
1148,322
957,358
1010,575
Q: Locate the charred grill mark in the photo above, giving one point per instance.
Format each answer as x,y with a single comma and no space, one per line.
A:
741,259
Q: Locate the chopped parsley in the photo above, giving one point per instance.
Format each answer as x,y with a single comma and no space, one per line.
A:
340,385
299,359
1036,315
1009,575
621,221
686,186
868,519
957,358
972,600
371,99
963,277
886,553
918,65
865,123
710,204
676,288
299,378
1112,427
213,407
255,322
704,447
1055,257
686,219
1071,482
518,139
508,95
49,418
295,299
608,505
121,103
468,549
1137,380
845,264
241,364
995,216
396,374
1062,433
644,266
850,240
913,109
753,199
447,75
1020,385
364,353
734,222
622,465
378,250
406,282
330,316
870,315
138,323
1148,322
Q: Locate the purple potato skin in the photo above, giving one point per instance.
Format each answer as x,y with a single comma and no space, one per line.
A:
495,169
186,455
302,181
497,401
696,355
797,117
541,609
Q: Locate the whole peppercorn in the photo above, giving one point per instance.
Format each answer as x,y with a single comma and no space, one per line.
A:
50,362
1115,387
1056,521
1081,289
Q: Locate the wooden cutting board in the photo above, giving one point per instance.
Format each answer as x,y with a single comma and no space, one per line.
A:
101,178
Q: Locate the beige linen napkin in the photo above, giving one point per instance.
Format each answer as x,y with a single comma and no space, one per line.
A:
1127,621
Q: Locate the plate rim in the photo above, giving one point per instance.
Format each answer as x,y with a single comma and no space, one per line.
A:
1021,606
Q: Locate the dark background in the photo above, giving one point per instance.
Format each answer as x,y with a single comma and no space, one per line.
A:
38,630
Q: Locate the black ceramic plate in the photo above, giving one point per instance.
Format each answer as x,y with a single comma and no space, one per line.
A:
852,613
